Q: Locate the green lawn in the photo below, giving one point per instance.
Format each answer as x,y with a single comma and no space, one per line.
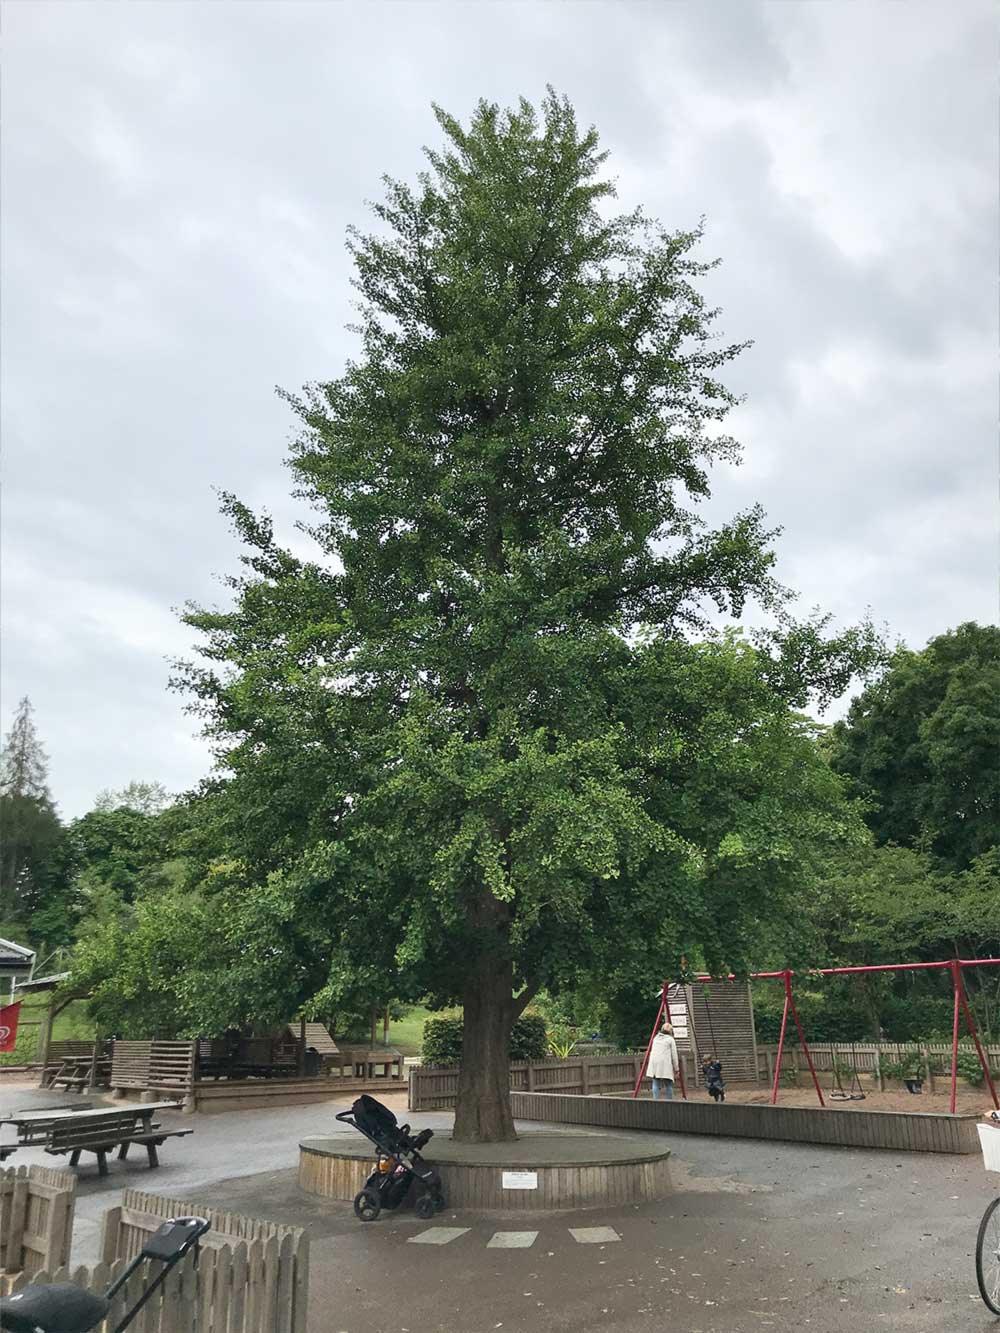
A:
407,1033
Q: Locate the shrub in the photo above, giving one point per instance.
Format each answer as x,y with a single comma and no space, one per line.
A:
529,1040
442,1044
970,1068
910,1066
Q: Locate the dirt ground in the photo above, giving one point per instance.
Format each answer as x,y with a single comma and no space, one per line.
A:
970,1101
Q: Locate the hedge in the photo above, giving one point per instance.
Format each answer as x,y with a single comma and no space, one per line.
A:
442,1044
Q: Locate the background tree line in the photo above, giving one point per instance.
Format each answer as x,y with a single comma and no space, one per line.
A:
130,885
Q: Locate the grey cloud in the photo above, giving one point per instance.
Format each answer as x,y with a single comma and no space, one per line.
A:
178,179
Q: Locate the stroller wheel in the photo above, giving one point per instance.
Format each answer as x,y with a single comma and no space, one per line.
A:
439,1203
367,1205
424,1207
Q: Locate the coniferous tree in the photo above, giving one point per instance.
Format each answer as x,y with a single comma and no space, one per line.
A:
29,826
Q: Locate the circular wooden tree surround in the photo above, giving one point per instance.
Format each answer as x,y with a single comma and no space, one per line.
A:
541,1171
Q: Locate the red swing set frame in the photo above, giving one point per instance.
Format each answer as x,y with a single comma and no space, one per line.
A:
955,966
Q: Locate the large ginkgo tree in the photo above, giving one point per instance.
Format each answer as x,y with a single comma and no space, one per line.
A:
487,740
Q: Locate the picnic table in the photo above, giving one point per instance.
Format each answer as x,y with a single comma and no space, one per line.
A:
74,1072
61,1130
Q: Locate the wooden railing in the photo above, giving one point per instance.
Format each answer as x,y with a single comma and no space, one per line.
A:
36,1218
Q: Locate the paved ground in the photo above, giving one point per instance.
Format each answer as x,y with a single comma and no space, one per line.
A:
756,1236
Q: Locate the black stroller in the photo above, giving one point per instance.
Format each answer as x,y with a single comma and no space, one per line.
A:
61,1307
399,1166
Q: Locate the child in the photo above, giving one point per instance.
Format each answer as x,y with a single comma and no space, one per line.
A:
711,1070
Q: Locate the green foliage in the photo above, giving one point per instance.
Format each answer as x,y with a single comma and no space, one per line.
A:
830,1011
529,1038
922,742
147,798
561,1041
442,1043
910,1066
969,1067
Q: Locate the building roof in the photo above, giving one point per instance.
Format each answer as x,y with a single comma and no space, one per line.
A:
44,983
15,957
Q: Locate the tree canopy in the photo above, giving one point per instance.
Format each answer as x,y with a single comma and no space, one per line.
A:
922,744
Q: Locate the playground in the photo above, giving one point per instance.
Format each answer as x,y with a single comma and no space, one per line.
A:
753,1236
969,1100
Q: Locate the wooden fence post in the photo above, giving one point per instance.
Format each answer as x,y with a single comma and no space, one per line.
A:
531,1076
110,1230
584,1078
16,1214
925,1054
300,1296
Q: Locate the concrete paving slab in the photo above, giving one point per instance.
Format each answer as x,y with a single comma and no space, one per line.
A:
594,1235
437,1236
512,1240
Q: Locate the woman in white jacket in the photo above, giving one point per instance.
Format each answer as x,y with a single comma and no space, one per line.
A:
663,1062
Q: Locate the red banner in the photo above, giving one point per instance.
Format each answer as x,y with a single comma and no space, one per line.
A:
8,1026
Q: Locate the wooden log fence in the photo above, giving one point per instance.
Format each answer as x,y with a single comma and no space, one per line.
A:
36,1218
251,1276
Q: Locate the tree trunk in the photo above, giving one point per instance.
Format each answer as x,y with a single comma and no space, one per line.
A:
483,1114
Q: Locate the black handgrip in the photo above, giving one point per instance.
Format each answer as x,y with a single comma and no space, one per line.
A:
174,1238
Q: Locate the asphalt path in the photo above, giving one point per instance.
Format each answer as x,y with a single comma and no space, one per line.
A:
755,1236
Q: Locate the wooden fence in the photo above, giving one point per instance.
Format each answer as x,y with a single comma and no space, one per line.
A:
251,1276
436,1087
870,1058
167,1066
36,1218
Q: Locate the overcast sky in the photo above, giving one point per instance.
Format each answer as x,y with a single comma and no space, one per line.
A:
177,180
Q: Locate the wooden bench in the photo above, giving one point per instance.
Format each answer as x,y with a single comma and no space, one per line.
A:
101,1134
